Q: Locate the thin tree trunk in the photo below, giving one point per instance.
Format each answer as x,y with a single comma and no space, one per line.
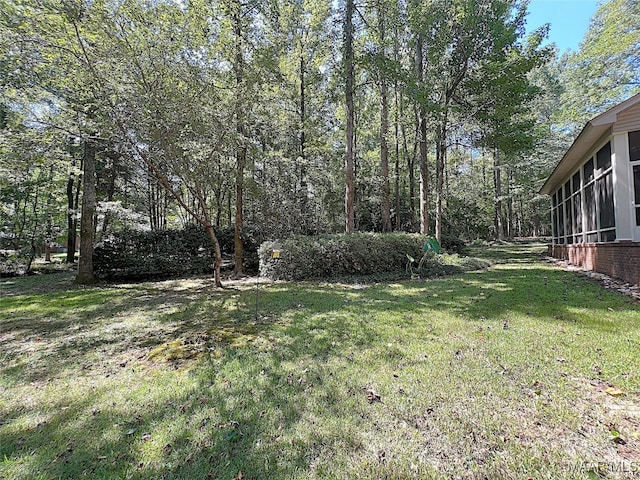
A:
384,129
150,201
241,149
510,227
34,230
411,168
304,193
85,264
422,139
497,184
229,215
349,147
111,190
521,219
71,226
396,126
218,193
440,166
217,263
49,232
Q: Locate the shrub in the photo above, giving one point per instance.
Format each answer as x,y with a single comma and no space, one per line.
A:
438,265
167,253
328,256
12,264
163,253
453,244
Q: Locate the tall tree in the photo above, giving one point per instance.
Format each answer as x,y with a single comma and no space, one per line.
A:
419,22
606,68
382,16
349,79
85,265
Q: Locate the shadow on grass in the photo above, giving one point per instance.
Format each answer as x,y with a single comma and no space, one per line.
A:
264,407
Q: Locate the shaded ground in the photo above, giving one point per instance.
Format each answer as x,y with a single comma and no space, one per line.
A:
495,374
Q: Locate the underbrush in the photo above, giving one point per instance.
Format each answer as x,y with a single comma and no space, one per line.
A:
437,265
330,256
362,255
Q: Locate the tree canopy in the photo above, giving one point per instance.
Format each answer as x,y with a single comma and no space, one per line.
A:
291,117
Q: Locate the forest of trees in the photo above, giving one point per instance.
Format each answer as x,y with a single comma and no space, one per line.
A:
291,116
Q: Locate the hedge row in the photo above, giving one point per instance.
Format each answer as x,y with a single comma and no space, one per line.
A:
432,265
327,256
165,253
453,244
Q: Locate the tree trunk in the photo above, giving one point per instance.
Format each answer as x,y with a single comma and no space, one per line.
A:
217,263
440,166
350,194
304,193
422,139
411,168
396,126
49,229
111,190
229,214
85,264
72,209
384,129
497,184
34,231
151,200
71,233
241,149
510,228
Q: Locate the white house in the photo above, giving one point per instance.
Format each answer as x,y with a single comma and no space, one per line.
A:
595,191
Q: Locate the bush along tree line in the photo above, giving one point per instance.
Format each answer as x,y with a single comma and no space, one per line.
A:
361,255
289,118
135,255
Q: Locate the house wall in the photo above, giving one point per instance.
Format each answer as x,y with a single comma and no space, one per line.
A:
623,188
619,260
570,226
627,120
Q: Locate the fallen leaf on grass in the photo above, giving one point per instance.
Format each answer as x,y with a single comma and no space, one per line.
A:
372,395
614,392
616,438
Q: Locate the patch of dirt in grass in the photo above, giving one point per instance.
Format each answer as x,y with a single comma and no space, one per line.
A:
193,345
184,348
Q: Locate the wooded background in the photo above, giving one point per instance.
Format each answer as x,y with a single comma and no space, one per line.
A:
291,117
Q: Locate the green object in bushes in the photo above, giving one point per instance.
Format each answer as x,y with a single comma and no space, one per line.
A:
431,244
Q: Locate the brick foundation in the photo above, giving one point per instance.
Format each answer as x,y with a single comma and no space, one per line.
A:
619,260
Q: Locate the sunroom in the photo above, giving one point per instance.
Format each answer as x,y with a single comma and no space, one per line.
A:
595,192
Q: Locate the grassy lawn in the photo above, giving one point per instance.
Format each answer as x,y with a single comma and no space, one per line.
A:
494,374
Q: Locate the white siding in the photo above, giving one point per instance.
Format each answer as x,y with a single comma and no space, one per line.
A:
622,188
628,120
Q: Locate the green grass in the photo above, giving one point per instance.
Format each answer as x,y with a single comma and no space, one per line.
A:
492,374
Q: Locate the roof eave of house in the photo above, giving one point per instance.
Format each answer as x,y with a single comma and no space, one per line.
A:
592,131
581,145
